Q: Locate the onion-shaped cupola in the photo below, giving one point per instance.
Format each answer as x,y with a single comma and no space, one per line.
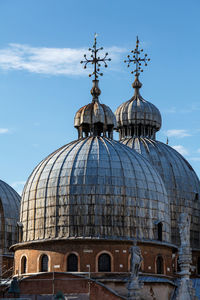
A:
94,187
95,119
137,117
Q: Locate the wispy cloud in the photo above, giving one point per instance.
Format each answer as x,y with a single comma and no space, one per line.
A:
18,186
54,61
4,130
193,107
195,158
171,110
181,149
179,133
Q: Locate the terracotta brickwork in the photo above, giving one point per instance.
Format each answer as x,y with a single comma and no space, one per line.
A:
88,253
49,283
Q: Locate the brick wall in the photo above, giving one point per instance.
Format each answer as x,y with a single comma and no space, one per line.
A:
88,252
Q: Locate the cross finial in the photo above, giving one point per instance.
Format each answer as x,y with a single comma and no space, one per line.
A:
137,59
95,60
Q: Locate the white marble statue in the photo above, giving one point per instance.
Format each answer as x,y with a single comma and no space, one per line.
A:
136,260
184,229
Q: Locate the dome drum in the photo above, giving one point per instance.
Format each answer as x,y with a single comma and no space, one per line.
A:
138,130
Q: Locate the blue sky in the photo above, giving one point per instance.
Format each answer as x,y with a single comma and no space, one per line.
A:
42,84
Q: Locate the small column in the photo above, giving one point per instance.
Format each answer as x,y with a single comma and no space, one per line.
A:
133,285
185,289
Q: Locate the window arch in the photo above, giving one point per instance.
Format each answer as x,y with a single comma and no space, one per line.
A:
198,265
104,263
178,268
72,263
44,263
159,265
23,265
160,231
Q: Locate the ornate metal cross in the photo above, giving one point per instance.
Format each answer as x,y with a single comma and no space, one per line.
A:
95,60
137,59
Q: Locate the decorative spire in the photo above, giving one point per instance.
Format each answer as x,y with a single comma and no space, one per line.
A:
138,60
96,61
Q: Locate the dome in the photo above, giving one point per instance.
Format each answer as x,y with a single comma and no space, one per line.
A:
9,215
181,182
94,188
95,118
137,116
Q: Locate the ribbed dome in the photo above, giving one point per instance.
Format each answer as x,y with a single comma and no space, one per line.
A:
181,182
137,116
9,215
95,118
94,188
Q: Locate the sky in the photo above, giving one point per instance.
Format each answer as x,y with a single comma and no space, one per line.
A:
42,83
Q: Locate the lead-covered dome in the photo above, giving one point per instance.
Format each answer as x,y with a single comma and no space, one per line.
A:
137,116
94,188
181,182
95,118
9,216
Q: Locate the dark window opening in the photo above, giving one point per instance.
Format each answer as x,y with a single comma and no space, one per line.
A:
160,229
178,268
20,231
9,239
198,266
104,263
159,265
44,263
24,265
72,263
196,197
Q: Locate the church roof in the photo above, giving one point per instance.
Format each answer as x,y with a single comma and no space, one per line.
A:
138,111
181,182
94,188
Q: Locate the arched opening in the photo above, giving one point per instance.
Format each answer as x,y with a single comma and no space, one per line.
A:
160,229
178,268
44,263
198,266
159,265
23,265
104,263
72,263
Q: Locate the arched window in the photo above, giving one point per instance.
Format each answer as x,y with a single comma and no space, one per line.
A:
160,229
24,265
178,268
159,265
44,263
104,263
198,266
72,263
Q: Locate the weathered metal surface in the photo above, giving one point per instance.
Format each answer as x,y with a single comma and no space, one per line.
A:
9,215
94,112
97,188
181,182
138,111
